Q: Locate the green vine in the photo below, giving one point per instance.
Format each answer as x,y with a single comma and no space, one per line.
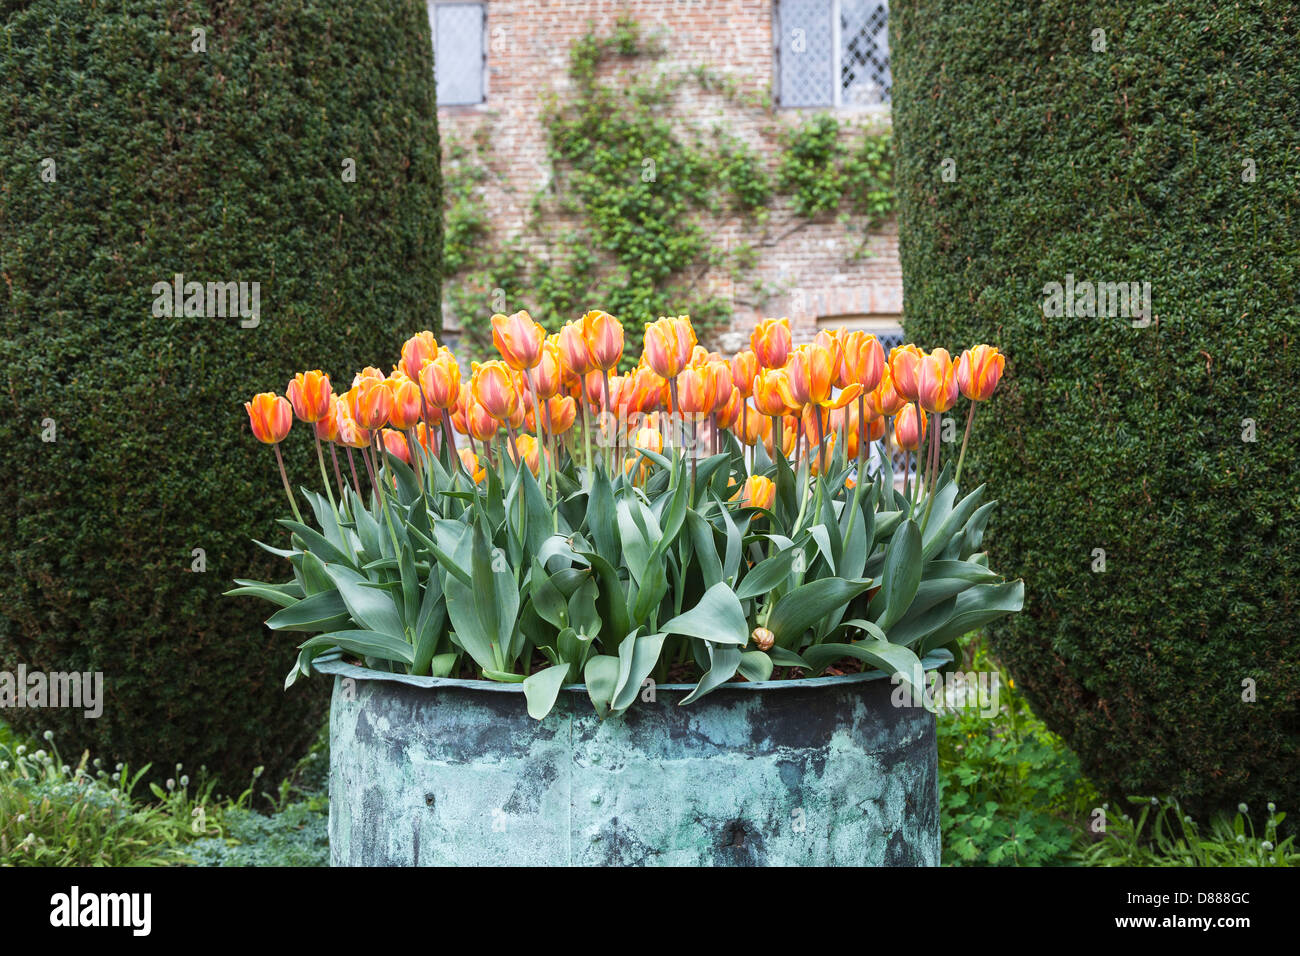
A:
623,221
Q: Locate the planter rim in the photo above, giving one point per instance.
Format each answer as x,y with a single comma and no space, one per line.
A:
334,664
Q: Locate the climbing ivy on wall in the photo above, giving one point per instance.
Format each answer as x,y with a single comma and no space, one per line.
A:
623,222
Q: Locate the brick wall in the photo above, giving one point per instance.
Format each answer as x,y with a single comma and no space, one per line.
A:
811,263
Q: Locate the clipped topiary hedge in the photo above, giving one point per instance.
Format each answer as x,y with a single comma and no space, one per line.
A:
136,148
1162,150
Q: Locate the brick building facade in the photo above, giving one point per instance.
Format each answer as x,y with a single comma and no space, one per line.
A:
496,59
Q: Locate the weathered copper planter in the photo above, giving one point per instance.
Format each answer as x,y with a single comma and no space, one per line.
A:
427,771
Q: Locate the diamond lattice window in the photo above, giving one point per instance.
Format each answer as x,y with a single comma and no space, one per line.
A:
833,52
458,51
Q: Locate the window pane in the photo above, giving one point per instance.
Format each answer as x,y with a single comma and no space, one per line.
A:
806,54
457,52
864,52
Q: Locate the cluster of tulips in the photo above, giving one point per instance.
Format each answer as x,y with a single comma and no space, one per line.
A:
839,390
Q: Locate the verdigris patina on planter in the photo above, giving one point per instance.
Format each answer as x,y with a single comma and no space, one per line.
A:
429,771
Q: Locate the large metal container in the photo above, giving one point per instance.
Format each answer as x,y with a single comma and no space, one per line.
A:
427,771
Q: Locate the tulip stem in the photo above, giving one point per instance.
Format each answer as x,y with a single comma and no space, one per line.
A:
356,481
285,478
970,420
609,461
334,454
449,441
324,475
934,469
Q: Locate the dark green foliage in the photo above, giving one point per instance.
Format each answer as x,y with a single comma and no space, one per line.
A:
224,165
1126,165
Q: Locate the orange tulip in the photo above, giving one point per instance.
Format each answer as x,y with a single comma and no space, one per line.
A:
440,380
531,452
862,361
369,373
744,366
810,374
518,338
327,429
574,353
694,392
424,435
771,392
406,409
416,351
546,376
310,394
604,337
395,443
771,342
903,362
480,423
270,417
789,436
729,411
757,492
593,387
669,344
907,433
753,423
936,382
370,402
884,400
470,461
978,372
494,388
561,411
350,433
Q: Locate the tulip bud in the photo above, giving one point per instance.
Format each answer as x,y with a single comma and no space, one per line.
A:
936,382
311,395
763,638
395,443
519,339
270,416
908,432
771,342
978,372
757,492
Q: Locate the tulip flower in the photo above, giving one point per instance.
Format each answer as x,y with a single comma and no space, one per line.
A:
884,400
729,412
531,451
978,372
482,425
757,492
771,391
351,435
416,352
440,380
270,417
574,353
395,443
936,382
311,395
751,426
695,393
903,362
810,375
370,402
862,361
368,373
561,410
494,389
547,374
604,337
519,339
909,428
327,429
744,366
470,461
771,342
406,408
669,343
789,435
